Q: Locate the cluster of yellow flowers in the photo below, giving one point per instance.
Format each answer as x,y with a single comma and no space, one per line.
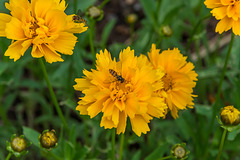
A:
136,87
41,24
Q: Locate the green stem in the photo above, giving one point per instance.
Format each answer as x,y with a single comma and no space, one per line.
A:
49,153
168,157
52,94
75,6
215,105
121,147
103,4
194,31
4,116
221,144
113,144
8,156
91,34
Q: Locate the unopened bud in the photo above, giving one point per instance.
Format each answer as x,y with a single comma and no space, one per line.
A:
179,151
230,116
18,144
132,18
95,12
48,139
167,31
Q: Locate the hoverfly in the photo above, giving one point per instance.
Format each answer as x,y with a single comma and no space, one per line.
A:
118,77
78,18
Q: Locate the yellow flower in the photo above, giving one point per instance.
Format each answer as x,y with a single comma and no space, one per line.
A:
119,90
178,80
230,115
41,24
228,12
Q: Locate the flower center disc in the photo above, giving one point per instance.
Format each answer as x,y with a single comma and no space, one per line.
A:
168,82
120,90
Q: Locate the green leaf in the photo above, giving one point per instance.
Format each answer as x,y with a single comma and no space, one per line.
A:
31,135
137,155
81,152
149,7
204,110
158,152
3,67
106,32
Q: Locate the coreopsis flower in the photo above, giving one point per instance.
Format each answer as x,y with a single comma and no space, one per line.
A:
41,24
228,12
121,90
230,115
179,78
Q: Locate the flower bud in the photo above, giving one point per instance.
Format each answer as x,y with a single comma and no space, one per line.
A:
95,12
18,144
48,139
167,31
132,18
230,116
179,151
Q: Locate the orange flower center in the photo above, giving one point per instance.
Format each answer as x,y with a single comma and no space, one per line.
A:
167,82
120,90
36,28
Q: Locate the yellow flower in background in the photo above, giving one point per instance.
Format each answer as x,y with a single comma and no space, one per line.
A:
179,78
228,12
41,24
230,115
120,90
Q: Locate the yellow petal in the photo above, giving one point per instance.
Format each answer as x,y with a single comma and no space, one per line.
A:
4,19
74,27
14,30
82,84
19,9
55,20
156,107
236,27
64,43
96,107
15,50
106,122
122,122
212,3
224,25
139,125
36,53
219,12
132,105
50,55
115,116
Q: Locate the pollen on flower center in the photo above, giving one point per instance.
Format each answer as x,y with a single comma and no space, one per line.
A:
120,90
36,28
167,81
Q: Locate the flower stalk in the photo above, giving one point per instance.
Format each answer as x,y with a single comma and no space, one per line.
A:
215,108
8,156
121,147
221,144
52,94
113,144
